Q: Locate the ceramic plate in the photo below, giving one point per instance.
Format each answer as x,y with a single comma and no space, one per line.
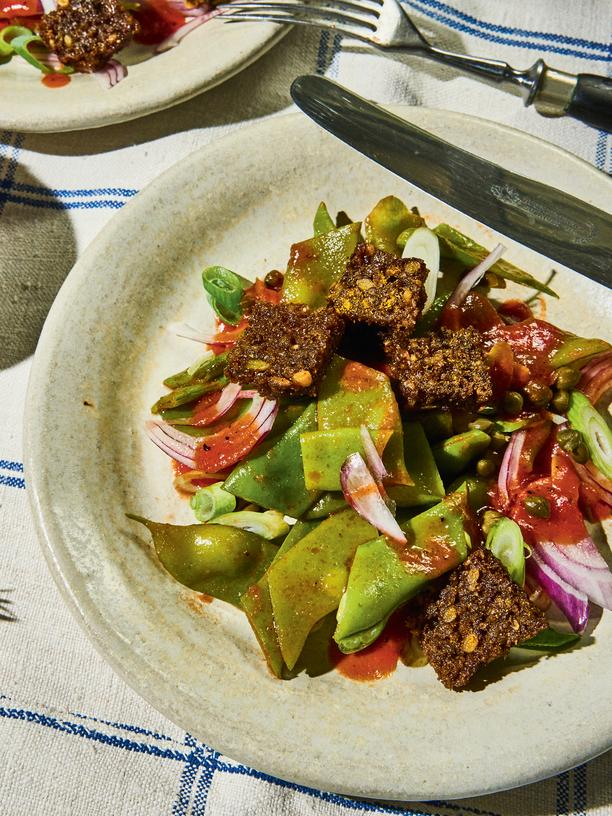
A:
98,368
206,57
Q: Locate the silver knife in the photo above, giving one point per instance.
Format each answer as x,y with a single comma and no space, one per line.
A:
553,223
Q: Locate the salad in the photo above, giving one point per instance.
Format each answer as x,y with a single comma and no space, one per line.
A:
61,37
389,460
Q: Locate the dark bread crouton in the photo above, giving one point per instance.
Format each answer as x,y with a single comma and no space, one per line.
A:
285,349
478,616
380,289
86,33
441,369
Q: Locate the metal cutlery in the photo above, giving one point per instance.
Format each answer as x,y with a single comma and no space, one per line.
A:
386,25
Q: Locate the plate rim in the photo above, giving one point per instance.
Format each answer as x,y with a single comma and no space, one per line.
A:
57,561
156,104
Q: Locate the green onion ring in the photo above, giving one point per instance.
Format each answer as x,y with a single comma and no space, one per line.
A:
6,46
209,502
224,289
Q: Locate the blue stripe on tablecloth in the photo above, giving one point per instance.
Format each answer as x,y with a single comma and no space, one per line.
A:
424,7
126,192
12,481
8,464
206,763
54,204
67,726
518,32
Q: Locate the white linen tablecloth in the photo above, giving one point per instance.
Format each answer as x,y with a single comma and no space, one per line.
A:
73,738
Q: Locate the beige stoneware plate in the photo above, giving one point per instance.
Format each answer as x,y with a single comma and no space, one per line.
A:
206,57
98,368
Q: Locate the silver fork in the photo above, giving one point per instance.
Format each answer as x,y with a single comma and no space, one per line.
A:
386,25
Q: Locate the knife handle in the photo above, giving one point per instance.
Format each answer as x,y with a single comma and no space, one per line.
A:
591,101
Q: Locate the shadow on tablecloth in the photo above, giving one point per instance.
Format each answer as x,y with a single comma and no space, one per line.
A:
37,250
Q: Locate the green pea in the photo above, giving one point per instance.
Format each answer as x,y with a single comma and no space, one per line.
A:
513,403
580,454
569,440
560,402
274,280
538,393
537,506
485,467
567,378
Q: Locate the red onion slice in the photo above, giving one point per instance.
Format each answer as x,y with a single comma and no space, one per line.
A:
188,332
596,377
508,478
211,413
474,276
248,393
112,73
582,566
573,603
196,20
375,464
231,444
175,448
362,493
590,478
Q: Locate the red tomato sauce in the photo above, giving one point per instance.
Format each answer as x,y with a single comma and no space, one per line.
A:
55,80
533,343
378,660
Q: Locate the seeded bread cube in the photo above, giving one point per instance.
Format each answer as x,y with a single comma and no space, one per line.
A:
285,349
380,289
441,369
86,33
478,616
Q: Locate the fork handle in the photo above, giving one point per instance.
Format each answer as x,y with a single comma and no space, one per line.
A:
586,97
591,101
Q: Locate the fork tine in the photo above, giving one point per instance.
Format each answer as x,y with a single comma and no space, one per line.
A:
324,7
357,33
351,27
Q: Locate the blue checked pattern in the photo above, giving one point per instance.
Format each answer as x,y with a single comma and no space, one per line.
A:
200,764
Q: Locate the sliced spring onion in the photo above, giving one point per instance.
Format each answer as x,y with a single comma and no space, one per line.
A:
224,289
270,524
506,543
594,429
21,46
423,243
7,35
209,502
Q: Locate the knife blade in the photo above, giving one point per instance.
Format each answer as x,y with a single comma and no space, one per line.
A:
552,222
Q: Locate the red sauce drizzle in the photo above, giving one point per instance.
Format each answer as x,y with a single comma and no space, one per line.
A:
55,80
378,660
